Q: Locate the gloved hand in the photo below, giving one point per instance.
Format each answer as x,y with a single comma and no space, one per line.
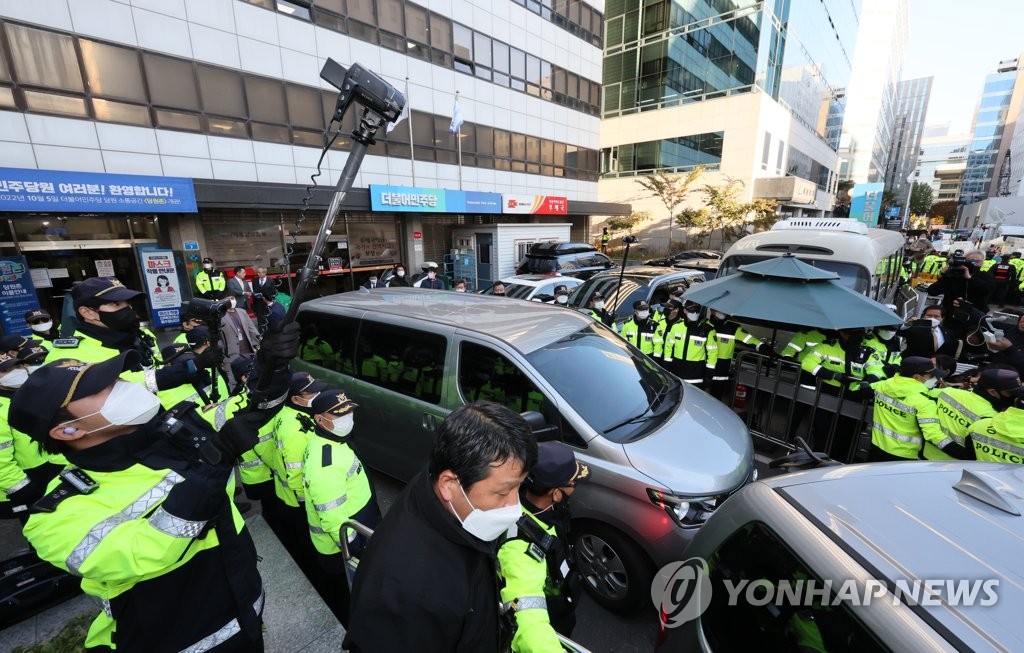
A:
241,433
765,349
281,345
864,393
27,495
828,375
212,357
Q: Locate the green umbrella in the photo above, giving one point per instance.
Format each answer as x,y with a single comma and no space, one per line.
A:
785,290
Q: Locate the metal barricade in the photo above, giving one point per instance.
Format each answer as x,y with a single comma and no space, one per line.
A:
776,407
352,563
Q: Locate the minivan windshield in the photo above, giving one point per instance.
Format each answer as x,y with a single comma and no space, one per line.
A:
851,275
618,391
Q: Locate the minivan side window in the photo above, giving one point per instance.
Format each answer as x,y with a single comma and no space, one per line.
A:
404,360
487,375
327,341
754,562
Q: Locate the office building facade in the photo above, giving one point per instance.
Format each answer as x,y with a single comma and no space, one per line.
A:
869,119
227,95
742,88
912,96
995,121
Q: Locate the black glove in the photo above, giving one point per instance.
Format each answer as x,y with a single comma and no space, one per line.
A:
212,357
828,375
27,495
865,392
241,433
282,346
765,349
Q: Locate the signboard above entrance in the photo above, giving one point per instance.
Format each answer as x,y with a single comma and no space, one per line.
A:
23,189
535,204
412,199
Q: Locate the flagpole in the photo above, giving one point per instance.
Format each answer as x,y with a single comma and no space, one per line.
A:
412,146
458,142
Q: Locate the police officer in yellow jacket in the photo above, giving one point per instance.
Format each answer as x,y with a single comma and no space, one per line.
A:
141,517
844,361
904,413
641,330
337,489
727,335
690,349
959,409
25,469
1001,438
210,282
541,586
803,342
107,326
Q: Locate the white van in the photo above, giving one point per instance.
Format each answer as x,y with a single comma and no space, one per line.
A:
867,260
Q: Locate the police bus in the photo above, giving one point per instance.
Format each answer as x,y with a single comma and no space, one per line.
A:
868,261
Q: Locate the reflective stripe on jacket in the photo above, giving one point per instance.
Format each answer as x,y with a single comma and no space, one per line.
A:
904,416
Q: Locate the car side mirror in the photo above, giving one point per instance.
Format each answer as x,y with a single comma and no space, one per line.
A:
539,426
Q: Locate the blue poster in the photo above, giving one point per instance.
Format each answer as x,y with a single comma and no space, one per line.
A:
866,202
411,199
17,294
23,189
163,286
472,201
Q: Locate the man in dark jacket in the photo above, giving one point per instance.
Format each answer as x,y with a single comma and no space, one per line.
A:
428,580
964,281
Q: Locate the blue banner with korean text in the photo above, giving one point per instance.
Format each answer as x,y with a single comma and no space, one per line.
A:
23,189
414,199
17,294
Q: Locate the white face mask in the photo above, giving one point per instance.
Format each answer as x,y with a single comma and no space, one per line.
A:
400,273
42,326
562,299
691,315
232,302
930,383
127,404
14,378
886,334
643,315
719,315
33,368
342,426
207,266
488,525
431,274
299,401
460,290
599,306
934,320
373,282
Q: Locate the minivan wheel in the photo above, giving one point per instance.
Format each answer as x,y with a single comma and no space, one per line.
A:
615,571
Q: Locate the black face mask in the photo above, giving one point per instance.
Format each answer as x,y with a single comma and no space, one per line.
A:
123,319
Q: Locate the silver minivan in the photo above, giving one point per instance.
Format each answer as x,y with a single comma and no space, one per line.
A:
662,454
901,556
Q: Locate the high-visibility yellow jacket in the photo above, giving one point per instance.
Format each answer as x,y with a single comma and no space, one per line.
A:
643,335
904,417
1000,438
693,346
18,454
528,588
213,281
336,488
801,343
958,410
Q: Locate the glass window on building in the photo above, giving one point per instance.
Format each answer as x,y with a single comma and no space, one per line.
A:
222,91
177,87
44,58
112,72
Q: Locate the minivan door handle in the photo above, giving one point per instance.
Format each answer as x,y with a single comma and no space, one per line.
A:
429,421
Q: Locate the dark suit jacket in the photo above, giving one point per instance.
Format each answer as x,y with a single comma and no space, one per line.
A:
237,287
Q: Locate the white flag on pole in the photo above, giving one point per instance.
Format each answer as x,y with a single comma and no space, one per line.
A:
456,118
402,116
